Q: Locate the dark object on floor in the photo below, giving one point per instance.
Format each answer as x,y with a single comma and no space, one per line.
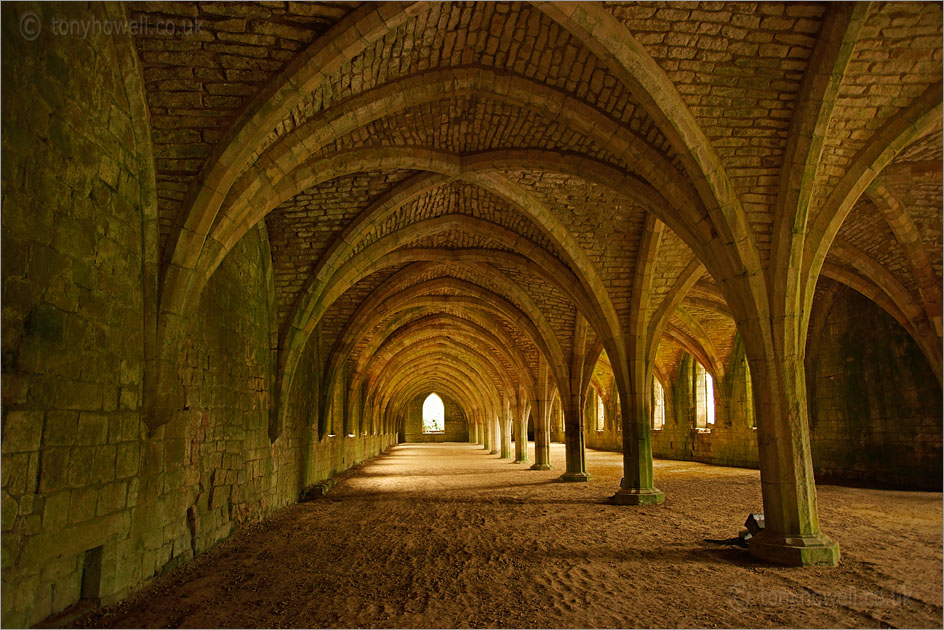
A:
754,524
737,541
317,491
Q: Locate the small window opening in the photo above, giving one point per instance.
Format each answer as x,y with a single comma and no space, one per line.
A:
433,415
704,399
601,414
658,405
92,574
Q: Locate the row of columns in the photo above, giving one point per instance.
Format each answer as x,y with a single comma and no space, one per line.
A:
495,435
792,536
636,488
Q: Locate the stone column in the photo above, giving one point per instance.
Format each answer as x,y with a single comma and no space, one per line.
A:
540,411
494,435
542,438
636,487
505,426
521,440
558,432
574,442
521,431
473,433
792,535
506,439
542,445
486,436
572,406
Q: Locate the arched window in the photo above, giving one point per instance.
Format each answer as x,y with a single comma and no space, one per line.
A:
601,414
658,405
433,414
704,398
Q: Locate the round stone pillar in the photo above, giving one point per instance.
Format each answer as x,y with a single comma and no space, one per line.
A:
521,440
575,447
494,436
506,439
542,443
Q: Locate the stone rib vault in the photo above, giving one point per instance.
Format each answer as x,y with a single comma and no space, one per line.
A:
243,242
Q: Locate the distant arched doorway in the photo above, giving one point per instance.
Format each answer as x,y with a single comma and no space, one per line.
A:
434,413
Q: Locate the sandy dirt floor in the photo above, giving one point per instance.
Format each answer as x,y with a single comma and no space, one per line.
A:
449,536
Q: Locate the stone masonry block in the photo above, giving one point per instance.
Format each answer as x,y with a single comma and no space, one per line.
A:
92,429
22,431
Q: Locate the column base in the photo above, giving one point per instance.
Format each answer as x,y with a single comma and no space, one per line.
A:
541,466
637,496
521,461
493,452
794,551
575,476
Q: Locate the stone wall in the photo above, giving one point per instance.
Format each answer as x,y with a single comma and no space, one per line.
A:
213,467
611,437
94,505
875,406
731,441
73,310
456,428
83,484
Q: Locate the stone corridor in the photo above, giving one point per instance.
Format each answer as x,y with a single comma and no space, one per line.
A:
244,244
447,536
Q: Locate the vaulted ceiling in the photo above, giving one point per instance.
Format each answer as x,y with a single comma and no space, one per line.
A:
450,190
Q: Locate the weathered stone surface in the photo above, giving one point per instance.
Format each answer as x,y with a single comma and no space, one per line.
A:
242,242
